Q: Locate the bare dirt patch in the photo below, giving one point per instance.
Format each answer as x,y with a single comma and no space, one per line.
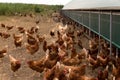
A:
24,73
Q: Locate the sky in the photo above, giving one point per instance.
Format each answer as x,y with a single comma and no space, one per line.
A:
49,2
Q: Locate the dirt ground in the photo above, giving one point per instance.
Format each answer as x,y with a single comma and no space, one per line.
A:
24,73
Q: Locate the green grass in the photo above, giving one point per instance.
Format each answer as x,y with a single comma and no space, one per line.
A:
10,8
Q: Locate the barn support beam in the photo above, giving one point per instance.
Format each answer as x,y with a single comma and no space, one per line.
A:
110,32
99,30
116,52
89,23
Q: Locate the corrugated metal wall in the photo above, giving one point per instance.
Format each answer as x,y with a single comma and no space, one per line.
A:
91,20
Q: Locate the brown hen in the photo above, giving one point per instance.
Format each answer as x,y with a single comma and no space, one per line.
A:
3,52
37,65
18,40
15,64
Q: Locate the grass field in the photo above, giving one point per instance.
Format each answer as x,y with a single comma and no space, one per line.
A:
10,8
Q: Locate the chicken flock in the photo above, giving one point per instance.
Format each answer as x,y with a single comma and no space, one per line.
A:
65,58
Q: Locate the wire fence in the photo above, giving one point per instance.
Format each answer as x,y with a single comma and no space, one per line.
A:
90,20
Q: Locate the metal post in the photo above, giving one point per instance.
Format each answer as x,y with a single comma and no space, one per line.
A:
110,32
89,24
116,52
82,17
99,30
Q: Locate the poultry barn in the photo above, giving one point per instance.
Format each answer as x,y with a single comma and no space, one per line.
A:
100,21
